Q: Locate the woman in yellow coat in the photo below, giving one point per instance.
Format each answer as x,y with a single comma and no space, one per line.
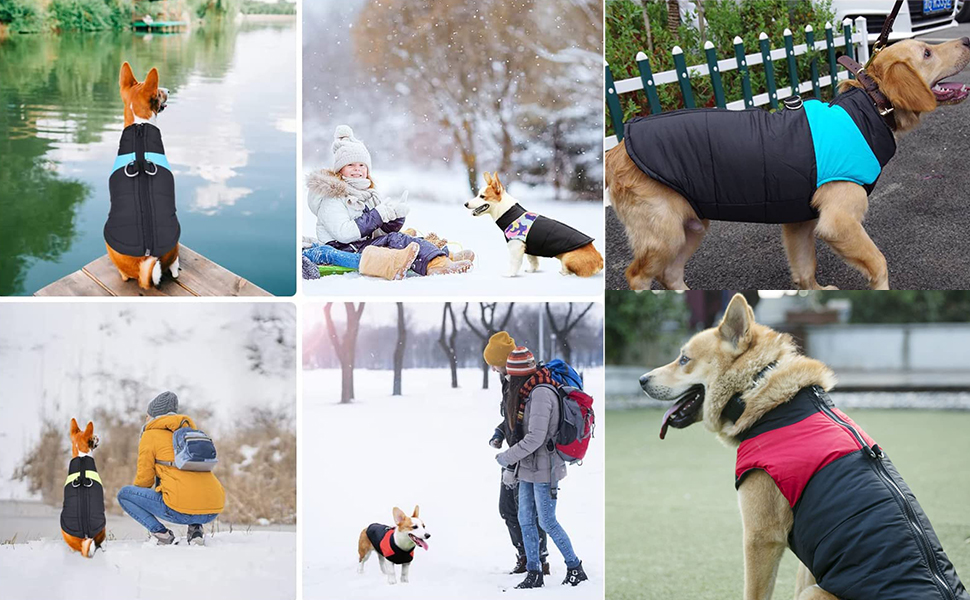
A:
161,491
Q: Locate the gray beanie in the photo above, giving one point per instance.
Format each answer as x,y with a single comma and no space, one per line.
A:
348,150
166,402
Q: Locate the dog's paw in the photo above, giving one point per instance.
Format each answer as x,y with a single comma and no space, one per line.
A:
157,273
174,269
404,579
391,581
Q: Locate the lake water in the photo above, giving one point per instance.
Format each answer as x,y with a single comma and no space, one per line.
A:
229,131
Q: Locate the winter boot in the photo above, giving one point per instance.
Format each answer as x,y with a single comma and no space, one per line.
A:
575,576
442,265
310,270
433,237
545,568
463,255
519,566
165,538
388,263
533,579
194,535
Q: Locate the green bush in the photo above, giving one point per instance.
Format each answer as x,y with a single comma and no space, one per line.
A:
280,7
21,16
626,35
87,15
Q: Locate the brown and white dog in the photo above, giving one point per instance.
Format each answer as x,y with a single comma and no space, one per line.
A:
143,101
394,544
664,231
574,249
82,480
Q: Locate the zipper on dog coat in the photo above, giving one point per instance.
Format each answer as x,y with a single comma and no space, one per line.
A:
760,167
542,236
858,528
82,514
142,219
382,538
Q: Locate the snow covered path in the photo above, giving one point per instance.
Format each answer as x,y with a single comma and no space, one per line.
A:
451,220
231,566
429,448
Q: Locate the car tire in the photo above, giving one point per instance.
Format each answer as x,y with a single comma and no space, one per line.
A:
963,12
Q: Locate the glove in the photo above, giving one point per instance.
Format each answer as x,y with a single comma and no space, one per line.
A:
508,478
497,439
386,211
400,206
500,459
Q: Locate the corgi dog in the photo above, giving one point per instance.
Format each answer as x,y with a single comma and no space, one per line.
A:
142,231
82,516
531,235
394,544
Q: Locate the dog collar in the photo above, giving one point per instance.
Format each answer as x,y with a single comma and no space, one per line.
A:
883,105
735,406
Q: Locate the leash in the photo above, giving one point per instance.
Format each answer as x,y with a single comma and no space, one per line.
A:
871,87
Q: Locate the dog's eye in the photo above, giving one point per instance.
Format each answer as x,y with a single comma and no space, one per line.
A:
683,360
414,526
481,195
927,53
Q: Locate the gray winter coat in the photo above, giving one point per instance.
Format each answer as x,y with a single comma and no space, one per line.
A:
533,460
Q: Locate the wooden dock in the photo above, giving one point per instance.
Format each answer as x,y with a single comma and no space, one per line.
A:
198,276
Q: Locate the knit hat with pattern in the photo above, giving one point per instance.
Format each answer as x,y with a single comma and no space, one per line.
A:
348,150
521,362
166,402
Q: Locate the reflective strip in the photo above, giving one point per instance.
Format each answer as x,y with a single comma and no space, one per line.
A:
122,160
93,475
158,159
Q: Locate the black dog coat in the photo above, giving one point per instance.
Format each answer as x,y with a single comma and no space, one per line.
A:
760,167
858,528
542,236
382,538
142,219
83,512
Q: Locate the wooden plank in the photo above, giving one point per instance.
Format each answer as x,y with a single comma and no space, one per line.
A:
75,284
104,272
202,277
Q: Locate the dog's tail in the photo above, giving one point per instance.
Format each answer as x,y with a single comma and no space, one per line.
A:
149,272
610,160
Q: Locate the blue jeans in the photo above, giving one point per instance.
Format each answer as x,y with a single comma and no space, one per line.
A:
322,254
145,504
535,501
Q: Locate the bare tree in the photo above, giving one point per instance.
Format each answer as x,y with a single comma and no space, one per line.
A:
673,15
447,342
402,337
488,329
562,331
646,24
346,347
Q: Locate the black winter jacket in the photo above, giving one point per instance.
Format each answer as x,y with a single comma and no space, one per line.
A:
760,167
382,538
142,219
82,514
858,528
542,236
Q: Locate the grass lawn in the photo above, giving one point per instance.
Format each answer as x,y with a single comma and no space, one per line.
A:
673,528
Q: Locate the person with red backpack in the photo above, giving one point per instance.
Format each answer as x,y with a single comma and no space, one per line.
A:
533,409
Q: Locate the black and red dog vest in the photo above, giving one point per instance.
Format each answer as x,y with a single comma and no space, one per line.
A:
858,527
382,538
542,236
82,514
761,167
142,219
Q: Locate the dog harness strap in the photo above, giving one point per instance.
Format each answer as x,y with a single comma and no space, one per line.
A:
90,475
735,406
883,105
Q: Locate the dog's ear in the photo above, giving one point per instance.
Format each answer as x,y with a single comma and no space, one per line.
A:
488,178
906,89
126,78
89,430
74,428
151,81
414,515
735,327
399,515
497,184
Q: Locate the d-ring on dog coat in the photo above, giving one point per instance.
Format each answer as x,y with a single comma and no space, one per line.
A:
142,219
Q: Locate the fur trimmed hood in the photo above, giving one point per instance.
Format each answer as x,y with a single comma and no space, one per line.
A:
324,184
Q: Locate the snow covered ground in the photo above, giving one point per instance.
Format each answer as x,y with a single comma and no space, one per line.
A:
231,565
437,205
429,448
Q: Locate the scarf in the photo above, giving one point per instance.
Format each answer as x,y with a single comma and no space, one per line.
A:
361,194
542,375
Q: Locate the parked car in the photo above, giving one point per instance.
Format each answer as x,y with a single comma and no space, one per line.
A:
963,11
915,17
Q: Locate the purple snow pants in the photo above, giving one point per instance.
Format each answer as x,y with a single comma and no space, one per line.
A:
397,241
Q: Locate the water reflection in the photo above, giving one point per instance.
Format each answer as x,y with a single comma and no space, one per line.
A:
229,133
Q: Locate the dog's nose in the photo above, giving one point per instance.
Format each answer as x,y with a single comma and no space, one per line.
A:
427,536
466,205
644,380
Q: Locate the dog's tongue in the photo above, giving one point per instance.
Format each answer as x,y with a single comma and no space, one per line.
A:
950,92
421,543
670,411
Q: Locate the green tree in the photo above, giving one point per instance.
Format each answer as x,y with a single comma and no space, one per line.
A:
643,325
906,306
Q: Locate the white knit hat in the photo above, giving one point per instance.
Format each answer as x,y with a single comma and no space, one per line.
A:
348,150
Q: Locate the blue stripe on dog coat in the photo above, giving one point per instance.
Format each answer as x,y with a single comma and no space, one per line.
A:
121,160
841,153
158,159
